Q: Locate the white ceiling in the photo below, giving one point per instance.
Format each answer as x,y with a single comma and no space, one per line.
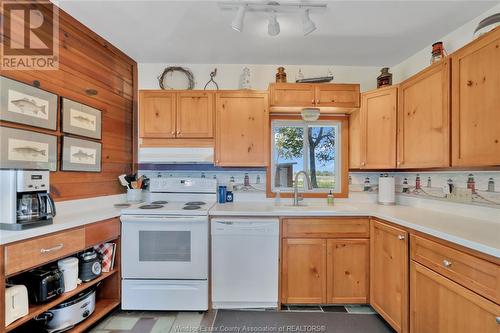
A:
358,33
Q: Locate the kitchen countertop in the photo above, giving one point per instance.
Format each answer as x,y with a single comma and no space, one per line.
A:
476,234
482,235
70,214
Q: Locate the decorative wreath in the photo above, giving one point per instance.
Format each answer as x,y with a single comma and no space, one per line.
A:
189,75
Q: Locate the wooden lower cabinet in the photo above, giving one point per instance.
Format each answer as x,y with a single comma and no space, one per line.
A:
303,273
389,273
348,270
321,271
441,305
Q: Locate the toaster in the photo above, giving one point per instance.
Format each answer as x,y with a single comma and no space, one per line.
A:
16,302
44,284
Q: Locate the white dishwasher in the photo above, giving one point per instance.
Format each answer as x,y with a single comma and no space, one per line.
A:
245,262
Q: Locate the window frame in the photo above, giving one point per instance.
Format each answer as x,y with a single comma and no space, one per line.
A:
343,166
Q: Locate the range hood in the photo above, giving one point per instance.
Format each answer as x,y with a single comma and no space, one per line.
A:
176,155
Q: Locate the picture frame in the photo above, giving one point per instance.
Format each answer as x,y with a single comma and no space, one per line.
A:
80,155
21,149
80,119
24,104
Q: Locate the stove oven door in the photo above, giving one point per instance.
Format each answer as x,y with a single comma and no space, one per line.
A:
164,247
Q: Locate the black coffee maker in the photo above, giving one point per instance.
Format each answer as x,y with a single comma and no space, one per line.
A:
27,202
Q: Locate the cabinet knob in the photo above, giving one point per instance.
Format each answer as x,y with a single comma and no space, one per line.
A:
178,132
173,132
398,162
216,161
363,163
446,263
401,237
498,320
317,101
312,101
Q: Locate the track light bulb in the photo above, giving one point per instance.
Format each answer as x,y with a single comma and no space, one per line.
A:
237,23
308,25
273,28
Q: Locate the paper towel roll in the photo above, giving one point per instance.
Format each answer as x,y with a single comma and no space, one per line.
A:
386,191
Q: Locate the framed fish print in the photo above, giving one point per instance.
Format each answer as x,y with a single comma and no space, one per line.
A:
24,104
80,119
80,155
20,149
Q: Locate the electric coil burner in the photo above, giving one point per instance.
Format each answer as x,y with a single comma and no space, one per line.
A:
195,203
150,206
191,207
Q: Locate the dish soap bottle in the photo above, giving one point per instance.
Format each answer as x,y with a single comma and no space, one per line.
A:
329,198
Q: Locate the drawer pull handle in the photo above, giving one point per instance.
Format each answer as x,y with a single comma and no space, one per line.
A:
55,248
446,263
401,237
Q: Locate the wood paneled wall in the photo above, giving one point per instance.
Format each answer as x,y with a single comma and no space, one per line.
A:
87,61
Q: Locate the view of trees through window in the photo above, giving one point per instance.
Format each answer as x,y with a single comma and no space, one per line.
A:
311,147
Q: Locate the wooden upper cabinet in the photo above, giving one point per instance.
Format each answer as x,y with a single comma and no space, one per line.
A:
333,95
389,274
440,305
355,140
337,95
292,94
242,128
157,114
424,119
195,114
303,271
378,128
475,102
348,270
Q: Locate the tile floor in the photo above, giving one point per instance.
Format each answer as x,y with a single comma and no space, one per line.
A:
184,322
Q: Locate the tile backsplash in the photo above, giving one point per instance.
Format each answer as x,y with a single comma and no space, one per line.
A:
470,187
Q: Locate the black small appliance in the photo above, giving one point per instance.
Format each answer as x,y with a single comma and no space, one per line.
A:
43,284
89,265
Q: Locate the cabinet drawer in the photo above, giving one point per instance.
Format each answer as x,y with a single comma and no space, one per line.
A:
101,232
38,251
326,227
474,273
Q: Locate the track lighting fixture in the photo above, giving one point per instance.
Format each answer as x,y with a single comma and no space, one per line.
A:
273,27
239,19
308,25
273,8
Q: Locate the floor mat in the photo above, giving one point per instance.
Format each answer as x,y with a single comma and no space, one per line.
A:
334,322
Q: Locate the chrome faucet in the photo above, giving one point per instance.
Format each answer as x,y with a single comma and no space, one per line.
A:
296,196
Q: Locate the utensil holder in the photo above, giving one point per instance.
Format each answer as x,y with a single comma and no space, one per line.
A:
134,195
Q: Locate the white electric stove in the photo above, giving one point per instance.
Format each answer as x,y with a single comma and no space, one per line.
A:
165,246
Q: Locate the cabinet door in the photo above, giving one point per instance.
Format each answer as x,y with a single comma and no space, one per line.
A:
440,305
303,271
292,94
195,114
348,270
337,95
475,107
378,128
389,274
423,119
242,129
157,114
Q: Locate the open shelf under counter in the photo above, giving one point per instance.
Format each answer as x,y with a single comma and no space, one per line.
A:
37,309
103,307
